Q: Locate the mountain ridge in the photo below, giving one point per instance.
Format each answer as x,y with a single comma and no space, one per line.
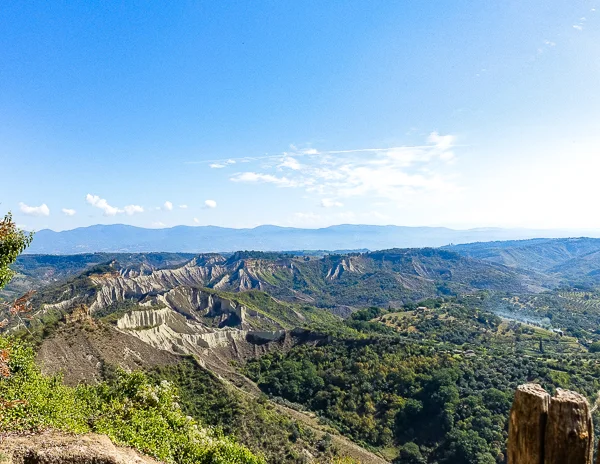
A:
202,239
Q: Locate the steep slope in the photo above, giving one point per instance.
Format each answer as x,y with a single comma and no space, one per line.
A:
214,302
88,351
339,282
85,350
37,271
167,309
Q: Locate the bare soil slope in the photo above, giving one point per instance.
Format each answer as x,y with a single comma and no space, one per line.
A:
82,350
61,448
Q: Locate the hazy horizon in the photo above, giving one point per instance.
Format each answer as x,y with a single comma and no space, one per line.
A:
564,229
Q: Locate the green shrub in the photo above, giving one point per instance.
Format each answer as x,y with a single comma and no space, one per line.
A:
595,347
129,408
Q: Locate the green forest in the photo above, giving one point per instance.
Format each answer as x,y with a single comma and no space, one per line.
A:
429,390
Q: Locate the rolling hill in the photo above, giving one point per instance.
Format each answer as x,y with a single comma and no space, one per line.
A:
568,260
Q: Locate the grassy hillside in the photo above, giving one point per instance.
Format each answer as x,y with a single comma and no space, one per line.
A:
129,408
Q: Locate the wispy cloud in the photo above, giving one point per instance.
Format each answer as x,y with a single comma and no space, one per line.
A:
329,203
69,212
109,210
183,206
168,206
222,164
254,177
579,26
391,173
41,210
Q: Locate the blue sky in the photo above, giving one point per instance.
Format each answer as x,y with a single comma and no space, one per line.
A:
462,114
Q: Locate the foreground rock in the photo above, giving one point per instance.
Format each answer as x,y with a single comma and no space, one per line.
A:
61,448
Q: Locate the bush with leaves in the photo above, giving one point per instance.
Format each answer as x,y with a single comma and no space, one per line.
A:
129,408
12,243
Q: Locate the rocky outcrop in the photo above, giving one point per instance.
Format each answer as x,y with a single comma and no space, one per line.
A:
164,337
345,265
171,312
63,305
192,321
127,283
213,271
61,448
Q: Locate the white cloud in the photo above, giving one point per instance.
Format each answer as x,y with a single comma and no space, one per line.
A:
101,203
290,163
329,203
197,221
109,210
579,27
210,204
168,206
158,224
130,210
69,212
41,210
183,206
263,178
443,142
222,164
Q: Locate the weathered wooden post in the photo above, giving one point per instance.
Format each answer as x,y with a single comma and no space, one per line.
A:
544,430
527,425
569,430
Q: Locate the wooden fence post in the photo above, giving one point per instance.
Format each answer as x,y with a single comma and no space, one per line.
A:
527,425
569,430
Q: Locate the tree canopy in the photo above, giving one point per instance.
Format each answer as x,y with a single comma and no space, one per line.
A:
13,242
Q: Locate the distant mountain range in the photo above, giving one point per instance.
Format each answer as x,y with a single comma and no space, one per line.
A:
202,239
